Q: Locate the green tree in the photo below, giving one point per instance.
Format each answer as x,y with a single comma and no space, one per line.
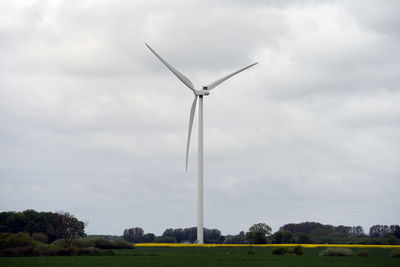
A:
356,231
258,233
303,238
31,221
148,238
12,222
165,239
395,229
378,230
213,236
282,237
67,227
134,235
304,227
235,239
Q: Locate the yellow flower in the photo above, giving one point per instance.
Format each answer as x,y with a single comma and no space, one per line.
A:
263,245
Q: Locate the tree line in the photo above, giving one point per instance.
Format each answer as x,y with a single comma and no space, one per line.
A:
261,233
48,227
170,235
44,226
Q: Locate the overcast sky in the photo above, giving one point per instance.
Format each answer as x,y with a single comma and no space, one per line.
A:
93,124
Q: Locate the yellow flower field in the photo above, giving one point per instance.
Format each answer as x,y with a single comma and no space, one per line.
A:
263,245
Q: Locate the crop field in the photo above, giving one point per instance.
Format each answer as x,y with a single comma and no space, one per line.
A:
212,256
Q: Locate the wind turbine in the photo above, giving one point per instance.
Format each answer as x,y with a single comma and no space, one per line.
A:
197,94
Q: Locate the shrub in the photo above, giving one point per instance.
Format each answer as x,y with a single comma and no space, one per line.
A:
28,251
102,243
77,252
65,252
49,252
122,244
85,251
298,250
279,251
362,253
81,243
89,251
41,237
59,243
8,252
395,253
336,252
15,240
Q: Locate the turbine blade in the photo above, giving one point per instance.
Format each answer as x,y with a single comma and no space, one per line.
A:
180,76
192,111
217,82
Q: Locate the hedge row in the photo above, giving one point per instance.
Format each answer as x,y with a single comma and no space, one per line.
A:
31,251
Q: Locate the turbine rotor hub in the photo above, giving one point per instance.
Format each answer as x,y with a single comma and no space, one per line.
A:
202,92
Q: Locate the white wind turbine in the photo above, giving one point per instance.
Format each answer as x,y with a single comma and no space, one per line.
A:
200,94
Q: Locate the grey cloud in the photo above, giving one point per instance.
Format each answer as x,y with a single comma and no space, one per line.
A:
89,118
381,18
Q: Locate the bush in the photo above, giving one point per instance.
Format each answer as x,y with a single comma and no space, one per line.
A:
90,252
122,244
362,253
86,251
8,240
102,243
65,252
50,250
28,251
8,252
40,237
60,243
115,244
298,250
395,253
279,251
337,252
80,243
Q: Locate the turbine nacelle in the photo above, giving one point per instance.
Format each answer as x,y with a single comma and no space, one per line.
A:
202,92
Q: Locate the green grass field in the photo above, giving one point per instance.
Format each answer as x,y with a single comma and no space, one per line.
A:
214,256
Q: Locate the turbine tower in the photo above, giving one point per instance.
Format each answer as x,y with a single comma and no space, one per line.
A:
197,94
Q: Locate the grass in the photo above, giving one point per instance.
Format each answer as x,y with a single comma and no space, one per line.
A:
210,256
